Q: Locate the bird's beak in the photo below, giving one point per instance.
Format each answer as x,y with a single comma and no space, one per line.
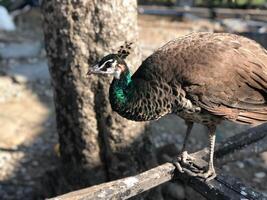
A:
93,70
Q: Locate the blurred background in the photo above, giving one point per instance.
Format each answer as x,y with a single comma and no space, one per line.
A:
28,138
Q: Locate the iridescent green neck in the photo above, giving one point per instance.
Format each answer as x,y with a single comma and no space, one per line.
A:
120,87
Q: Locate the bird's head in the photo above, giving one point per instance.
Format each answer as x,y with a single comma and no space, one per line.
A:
112,64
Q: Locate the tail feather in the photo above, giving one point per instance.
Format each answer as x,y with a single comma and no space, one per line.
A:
252,117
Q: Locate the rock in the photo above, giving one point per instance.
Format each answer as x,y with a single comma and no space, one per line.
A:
19,79
226,168
264,158
264,193
260,175
27,178
235,25
35,163
20,50
190,17
244,193
8,89
240,164
6,21
256,180
48,93
250,162
23,170
29,72
263,29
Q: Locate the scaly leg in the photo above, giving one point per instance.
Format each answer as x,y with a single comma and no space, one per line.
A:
184,158
210,173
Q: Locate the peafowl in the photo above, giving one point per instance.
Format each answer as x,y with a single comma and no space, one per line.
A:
202,77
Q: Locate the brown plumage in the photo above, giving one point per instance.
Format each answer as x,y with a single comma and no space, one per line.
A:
202,77
222,73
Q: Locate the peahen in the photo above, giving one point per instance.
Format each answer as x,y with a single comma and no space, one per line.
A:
202,77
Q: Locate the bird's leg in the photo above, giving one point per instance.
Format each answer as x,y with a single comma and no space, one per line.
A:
210,173
186,167
184,159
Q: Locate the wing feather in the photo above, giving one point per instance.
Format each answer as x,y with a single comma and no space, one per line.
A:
224,74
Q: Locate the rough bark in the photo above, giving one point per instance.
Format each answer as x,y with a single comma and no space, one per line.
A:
96,144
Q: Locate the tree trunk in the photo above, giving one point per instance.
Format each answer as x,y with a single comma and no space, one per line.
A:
96,144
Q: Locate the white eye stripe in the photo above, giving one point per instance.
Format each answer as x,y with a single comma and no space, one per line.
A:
110,60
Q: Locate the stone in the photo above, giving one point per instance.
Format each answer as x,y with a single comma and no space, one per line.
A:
260,175
20,50
240,164
6,20
226,168
29,72
235,25
19,79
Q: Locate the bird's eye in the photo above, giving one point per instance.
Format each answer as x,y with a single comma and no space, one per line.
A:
106,66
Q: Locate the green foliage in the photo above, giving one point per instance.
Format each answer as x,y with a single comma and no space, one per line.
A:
160,2
226,3
5,3
223,3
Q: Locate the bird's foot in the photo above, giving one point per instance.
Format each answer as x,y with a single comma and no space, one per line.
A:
185,164
186,158
183,161
207,175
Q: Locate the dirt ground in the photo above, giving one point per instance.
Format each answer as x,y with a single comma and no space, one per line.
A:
28,139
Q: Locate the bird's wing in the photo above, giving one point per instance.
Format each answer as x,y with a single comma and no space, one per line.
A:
235,86
223,73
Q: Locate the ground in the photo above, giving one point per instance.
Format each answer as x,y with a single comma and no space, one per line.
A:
28,140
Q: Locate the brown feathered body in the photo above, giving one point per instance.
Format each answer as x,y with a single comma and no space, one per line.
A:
202,77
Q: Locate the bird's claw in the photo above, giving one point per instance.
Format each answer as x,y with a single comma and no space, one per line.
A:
186,158
208,174
185,164
178,166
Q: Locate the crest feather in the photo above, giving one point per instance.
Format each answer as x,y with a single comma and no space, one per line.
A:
125,50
